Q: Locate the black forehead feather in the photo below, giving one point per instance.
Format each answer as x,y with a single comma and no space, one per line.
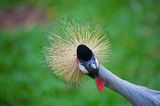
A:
84,53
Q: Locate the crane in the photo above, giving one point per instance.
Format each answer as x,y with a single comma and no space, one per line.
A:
135,94
79,48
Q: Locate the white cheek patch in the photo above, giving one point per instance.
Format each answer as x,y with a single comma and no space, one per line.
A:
97,62
81,67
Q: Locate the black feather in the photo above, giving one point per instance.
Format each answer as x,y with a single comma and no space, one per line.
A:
84,53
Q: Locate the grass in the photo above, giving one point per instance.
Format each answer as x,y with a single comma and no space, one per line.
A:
133,30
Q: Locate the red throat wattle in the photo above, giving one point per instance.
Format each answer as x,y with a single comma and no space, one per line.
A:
100,83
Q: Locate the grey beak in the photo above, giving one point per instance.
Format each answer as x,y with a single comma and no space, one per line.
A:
93,66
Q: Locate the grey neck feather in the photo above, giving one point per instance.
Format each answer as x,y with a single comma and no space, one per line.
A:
137,95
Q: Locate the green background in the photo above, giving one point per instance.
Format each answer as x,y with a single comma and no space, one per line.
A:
133,29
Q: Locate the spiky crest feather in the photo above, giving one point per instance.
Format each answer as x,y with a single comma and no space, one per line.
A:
64,38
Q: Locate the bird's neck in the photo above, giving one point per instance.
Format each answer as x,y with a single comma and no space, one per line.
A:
134,93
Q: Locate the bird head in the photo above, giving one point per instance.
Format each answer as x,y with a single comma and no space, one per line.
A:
72,40
88,64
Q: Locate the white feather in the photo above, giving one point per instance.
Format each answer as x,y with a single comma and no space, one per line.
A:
82,69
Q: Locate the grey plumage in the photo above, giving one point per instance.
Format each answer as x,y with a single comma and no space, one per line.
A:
137,95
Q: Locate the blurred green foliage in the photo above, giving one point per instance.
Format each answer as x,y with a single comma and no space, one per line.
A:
133,29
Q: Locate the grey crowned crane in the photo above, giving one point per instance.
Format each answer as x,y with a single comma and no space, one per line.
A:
79,48
137,95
